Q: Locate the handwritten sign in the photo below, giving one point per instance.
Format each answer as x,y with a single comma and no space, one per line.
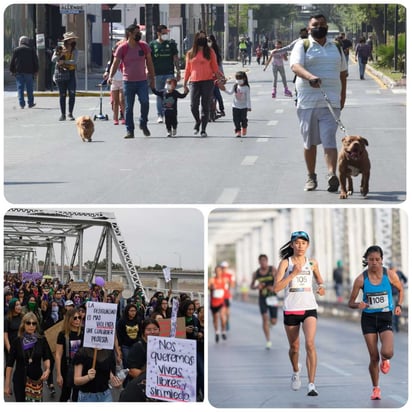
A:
100,325
171,369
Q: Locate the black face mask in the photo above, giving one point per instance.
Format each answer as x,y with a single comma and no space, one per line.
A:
202,41
137,37
319,32
73,44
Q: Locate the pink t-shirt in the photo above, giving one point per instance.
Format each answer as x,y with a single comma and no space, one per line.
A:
134,61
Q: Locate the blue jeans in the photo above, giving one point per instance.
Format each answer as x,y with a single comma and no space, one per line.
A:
105,396
160,85
25,81
362,67
130,89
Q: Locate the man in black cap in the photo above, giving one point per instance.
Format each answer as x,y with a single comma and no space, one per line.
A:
136,57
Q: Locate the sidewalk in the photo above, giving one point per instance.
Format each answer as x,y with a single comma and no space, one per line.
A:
95,77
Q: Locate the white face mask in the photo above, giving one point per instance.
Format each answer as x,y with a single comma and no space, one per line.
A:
169,87
165,37
209,43
239,82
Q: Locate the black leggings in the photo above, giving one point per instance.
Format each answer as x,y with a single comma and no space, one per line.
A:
201,93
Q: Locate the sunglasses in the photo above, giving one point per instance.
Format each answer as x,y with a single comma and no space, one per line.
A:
31,323
76,317
299,235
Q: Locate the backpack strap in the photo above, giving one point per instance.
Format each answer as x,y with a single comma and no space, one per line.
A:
306,44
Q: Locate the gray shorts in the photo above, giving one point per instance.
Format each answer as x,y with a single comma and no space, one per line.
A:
317,126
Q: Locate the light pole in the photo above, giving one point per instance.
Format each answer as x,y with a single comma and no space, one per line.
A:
180,259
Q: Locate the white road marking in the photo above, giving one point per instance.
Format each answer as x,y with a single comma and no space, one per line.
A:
272,123
249,160
373,91
228,195
262,140
279,111
398,91
125,170
335,369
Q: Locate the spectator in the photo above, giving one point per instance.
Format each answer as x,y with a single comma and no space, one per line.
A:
24,65
362,53
338,280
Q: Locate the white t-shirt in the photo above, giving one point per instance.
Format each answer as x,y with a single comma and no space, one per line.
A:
325,62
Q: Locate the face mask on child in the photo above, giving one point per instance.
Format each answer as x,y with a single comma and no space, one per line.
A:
240,82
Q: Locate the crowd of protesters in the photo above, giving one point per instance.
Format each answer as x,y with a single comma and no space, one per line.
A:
32,306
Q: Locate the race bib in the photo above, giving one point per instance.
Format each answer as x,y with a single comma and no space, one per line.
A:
272,301
218,293
378,300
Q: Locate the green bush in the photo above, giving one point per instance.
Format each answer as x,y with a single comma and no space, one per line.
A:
386,53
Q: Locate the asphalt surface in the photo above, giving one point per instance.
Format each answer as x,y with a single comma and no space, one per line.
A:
46,162
243,374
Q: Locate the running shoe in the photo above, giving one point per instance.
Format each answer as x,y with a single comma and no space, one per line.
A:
333,183
295,381
174,132
115,122
376,393
385,366
123,121
268,344
288,92
224,337
203,133
312,390
311,183
274,92
169,134
244,131
129,135
196,129
160,119
237,134
217,338
62,117
70,116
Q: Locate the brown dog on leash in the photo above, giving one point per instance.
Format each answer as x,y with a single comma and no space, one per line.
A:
85,128
353,159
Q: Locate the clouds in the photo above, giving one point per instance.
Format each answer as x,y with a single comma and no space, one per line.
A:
167,236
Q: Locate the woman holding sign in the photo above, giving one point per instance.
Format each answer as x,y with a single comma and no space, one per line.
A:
93,380
377,305
135,390
296,274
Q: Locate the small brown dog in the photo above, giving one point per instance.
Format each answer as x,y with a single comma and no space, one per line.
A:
353,159
85,128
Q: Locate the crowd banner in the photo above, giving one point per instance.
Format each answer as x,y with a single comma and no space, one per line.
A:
166,328
171,369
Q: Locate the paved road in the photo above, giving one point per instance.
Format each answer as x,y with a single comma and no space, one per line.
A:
45,161
243,374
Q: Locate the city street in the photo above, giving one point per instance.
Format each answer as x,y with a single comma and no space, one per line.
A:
243,374
46,162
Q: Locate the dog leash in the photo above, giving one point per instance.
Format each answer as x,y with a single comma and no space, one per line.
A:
337,120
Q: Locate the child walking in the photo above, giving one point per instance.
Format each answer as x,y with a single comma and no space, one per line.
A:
169,102
277,60
241,103
116,90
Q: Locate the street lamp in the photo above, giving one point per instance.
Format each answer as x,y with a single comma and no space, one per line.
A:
180,259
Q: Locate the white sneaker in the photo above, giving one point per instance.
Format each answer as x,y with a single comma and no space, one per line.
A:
174,132
160,119
295,381
312,390
268,344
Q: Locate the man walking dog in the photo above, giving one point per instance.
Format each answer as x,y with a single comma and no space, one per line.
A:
320,66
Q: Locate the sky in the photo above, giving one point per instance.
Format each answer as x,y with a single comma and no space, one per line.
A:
167,236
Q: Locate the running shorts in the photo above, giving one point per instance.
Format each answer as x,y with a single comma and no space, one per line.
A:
294,319
376,322
263,307
216,309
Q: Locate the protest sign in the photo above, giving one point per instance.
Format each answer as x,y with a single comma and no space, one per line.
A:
166,274
171,369
166,328
100,325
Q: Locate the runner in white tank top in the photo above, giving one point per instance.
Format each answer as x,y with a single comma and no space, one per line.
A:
296,274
